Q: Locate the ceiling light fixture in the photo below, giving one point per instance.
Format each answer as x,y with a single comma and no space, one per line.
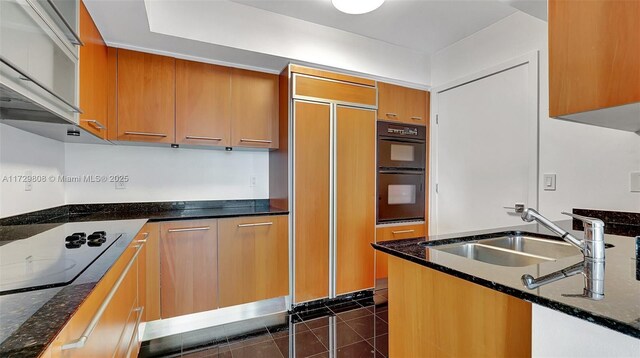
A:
356,7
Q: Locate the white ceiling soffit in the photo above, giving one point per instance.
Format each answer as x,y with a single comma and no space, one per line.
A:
537,8
248,28
423,25
123,24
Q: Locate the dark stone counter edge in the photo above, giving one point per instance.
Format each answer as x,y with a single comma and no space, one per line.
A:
557,306
267,212
135,208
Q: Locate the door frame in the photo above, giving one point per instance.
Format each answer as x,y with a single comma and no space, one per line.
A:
530,59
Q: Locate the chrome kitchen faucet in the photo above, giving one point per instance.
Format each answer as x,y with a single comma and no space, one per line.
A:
592,246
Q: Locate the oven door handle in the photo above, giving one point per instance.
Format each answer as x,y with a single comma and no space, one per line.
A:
400,171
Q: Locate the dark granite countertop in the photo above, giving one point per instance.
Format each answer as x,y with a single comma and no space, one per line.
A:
619,310
29,321
23,226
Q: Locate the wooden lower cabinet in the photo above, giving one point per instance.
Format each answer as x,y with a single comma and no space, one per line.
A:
388,233
460,318
253,259
188,267
150,270
115,332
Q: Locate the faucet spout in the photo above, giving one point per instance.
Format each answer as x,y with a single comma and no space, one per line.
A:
530,215
592,246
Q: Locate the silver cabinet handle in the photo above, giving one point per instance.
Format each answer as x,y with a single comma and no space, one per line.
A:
76,40
146,134
26,77
255,140
416,118
402,232
256,224
185,229
80,342
391,114
202,138
140,311
95,123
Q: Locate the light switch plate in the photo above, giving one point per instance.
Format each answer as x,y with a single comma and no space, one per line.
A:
634,182
549,182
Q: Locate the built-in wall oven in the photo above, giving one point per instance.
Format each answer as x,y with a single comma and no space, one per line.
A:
401,172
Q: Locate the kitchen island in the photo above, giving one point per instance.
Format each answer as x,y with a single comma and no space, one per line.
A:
442,304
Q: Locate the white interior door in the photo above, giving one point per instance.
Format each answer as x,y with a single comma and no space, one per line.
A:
486,154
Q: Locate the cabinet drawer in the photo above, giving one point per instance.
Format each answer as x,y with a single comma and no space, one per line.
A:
387,233
119,320
254,259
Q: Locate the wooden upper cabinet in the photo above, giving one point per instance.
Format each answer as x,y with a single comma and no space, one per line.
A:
93,77
203,104
146,97
254,109
397,103
594,56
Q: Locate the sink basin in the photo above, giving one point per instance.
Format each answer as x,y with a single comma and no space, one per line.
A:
534,245
511,250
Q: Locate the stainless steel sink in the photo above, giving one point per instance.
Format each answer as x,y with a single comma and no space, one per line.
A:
511,250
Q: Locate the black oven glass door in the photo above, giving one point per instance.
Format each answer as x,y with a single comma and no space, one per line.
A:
393,153
401,196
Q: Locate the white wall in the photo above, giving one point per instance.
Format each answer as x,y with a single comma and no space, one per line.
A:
20,152
165,174
592,163
556,334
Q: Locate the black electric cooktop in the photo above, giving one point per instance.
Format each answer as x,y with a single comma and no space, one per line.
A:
53,258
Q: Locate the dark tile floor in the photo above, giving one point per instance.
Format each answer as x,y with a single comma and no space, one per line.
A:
351,329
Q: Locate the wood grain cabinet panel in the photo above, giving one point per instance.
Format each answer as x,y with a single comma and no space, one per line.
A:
150,272
203,104
188,267
114,332
93,76
461,319
311,200
356,202
254,259
146,97
407,105
254,109
594,55
388,233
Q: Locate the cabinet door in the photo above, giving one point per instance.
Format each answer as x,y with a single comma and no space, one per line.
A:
188,267
387,233
311,200
355,198
114,329
594,52
415,108
391,99
203,104
254,259
150,296
254,109
93,76
146,97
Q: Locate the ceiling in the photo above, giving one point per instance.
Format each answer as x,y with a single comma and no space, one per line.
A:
422,25
392,43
